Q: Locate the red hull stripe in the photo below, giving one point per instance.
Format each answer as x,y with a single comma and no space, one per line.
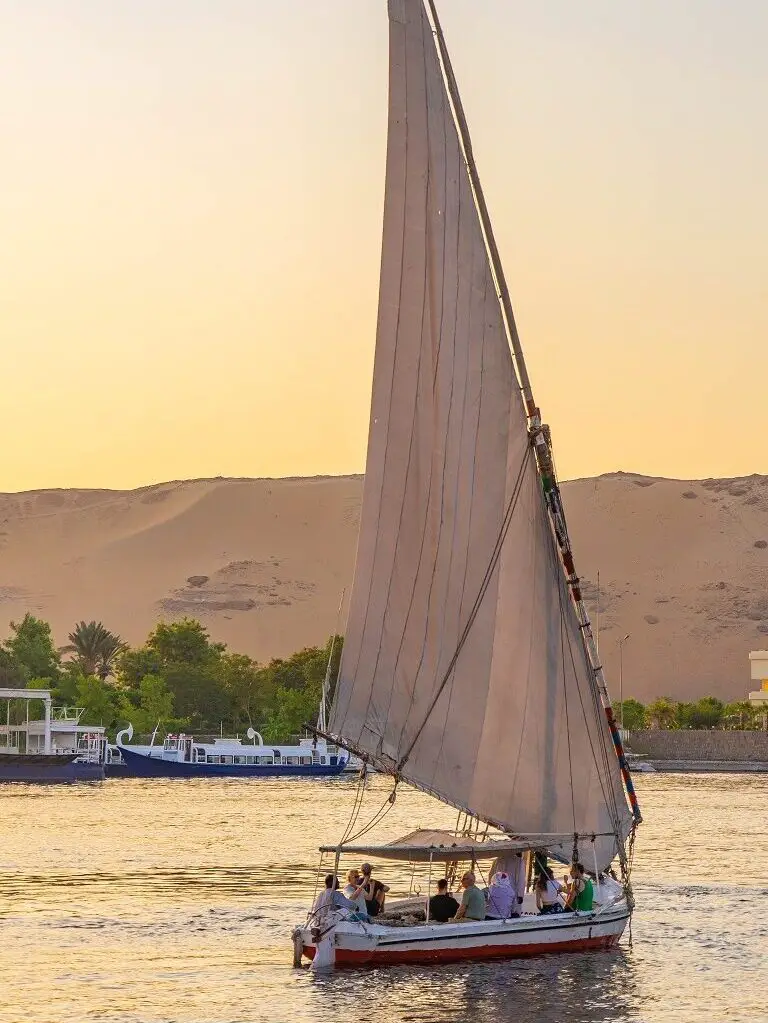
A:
347,957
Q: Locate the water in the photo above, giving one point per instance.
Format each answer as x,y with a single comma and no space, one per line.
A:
149,901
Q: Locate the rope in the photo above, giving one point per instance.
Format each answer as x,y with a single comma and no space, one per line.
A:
377,818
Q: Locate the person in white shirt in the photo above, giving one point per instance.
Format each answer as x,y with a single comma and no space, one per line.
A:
548,893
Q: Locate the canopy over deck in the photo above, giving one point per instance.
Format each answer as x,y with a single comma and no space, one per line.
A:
424,845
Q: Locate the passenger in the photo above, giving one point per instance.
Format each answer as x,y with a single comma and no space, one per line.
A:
472,901
374,891
355,891
580,890
329,900
442,907
547,893
502,898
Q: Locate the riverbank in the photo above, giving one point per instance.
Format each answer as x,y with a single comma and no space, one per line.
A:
709,766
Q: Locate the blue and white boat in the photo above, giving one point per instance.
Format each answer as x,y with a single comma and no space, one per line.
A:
183,756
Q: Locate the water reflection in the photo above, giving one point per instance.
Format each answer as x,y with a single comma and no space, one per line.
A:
588,988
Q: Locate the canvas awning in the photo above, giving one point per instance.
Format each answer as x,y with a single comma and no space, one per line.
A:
443,846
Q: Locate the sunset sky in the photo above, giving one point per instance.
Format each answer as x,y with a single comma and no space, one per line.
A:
190,207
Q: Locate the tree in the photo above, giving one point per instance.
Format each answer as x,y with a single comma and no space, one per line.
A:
97,700
704,713
251,690
741,715
183,655
153,708
291,710
96,648
32,646
662,713
13,674
634,716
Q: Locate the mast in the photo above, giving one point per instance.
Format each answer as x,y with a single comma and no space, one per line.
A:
322,721
539,433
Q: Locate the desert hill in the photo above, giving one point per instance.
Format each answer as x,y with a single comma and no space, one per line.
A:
683,566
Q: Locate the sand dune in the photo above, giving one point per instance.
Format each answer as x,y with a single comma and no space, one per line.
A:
683,566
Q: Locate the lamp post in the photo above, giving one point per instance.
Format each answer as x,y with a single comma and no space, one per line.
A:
622,641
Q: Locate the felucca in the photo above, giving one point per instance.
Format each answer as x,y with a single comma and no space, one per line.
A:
469,667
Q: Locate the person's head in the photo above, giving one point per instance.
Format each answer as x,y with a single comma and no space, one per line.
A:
467,879
366,870
442,885
352,876
331,881
548,873
577,870
541,882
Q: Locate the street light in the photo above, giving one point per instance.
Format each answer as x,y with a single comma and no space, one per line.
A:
622,641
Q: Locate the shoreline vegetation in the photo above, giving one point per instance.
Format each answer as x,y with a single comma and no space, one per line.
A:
177,680
180,680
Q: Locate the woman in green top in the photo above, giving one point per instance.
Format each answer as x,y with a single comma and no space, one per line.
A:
580,891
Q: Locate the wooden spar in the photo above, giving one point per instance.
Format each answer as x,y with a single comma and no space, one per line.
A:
540,434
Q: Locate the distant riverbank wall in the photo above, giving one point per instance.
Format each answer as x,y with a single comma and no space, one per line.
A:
702,747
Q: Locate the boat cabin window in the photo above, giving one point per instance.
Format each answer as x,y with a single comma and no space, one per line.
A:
240,760
227,760
322,760
250,760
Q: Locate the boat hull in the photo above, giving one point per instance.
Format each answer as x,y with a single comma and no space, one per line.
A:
46,769
358,944
138,765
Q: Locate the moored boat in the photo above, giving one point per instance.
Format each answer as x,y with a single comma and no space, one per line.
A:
54,749
469,668
183,756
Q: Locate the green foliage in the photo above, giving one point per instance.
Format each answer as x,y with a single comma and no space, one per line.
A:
634,716
96,648
31,644
250,689
741,715
98,700
150,706
178,679
291,710
13,674
704,713
662,713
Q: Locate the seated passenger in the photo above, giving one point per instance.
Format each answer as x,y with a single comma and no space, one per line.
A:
374,891
547,893
580,890
442,907
329,900
355,892
472,901
502,898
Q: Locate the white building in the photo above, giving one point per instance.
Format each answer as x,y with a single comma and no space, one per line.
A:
758,663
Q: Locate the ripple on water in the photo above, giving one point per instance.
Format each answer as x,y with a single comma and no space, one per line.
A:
149,901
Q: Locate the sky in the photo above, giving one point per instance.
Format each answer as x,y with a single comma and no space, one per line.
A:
191,195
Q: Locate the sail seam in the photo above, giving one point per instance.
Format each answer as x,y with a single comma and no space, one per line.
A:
386,461
476,606
425,298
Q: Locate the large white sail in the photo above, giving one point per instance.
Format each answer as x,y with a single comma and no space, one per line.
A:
463,667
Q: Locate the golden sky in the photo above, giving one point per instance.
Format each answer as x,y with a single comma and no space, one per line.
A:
190,209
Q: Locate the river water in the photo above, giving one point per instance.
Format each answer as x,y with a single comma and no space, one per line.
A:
173,902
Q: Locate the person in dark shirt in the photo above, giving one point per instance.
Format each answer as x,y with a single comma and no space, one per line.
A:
442,907
374,891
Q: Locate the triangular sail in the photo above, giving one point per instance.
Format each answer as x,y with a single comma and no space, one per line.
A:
463,667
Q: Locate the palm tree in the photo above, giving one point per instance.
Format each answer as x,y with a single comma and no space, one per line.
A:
95,647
